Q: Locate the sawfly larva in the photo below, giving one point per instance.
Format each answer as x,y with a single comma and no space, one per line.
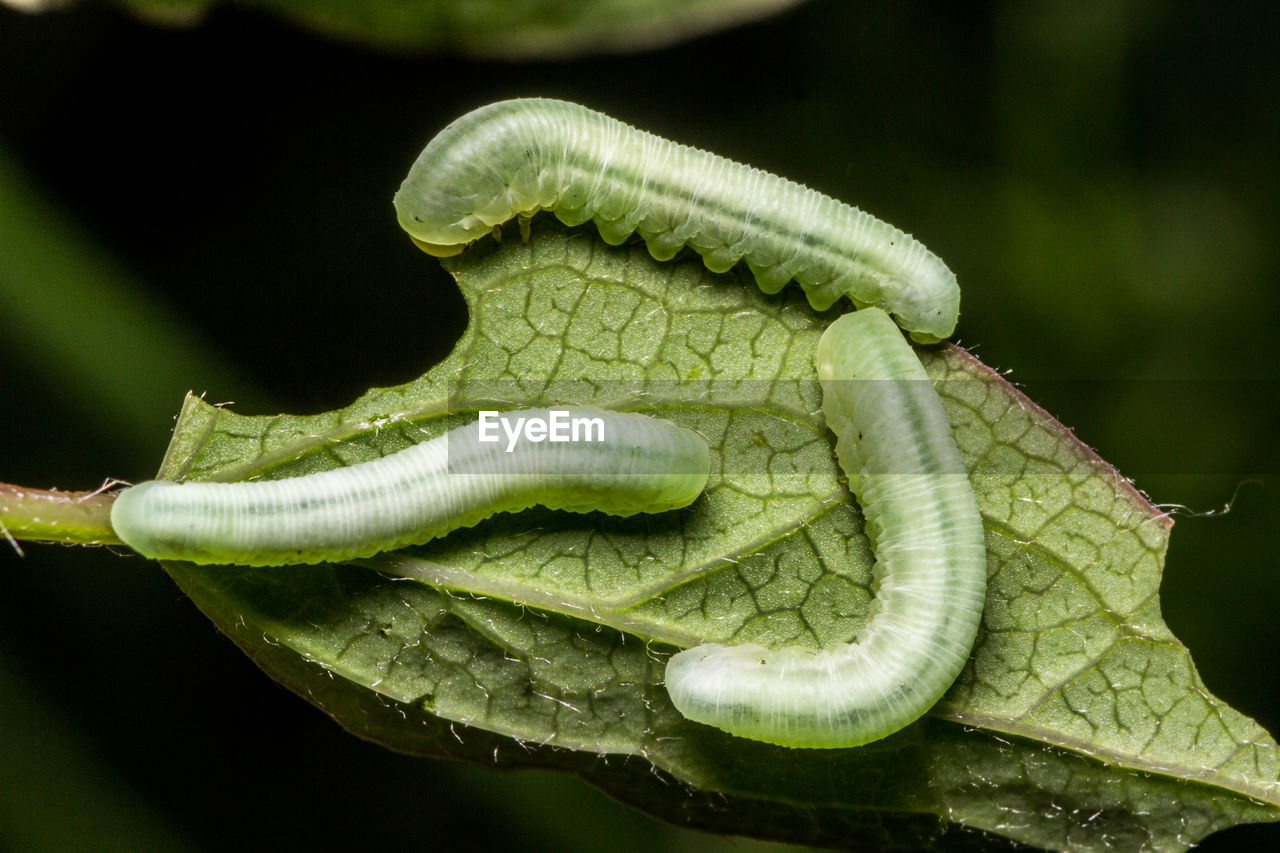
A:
514,158
895,444
621,464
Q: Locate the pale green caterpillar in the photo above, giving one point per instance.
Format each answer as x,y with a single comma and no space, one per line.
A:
518,157
895,444
521,156
619,464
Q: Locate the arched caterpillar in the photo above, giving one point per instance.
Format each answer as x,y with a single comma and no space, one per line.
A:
517,157
640,464
521,156
895,444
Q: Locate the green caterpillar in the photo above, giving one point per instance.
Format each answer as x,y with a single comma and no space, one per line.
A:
638,464
515,158
518,157
895,444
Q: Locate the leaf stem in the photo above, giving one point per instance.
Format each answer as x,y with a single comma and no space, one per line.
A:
51,515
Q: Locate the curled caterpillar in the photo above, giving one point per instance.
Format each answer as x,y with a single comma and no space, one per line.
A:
520,156
514,158
895,444
629,463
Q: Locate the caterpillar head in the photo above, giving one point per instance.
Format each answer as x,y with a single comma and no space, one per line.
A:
477,173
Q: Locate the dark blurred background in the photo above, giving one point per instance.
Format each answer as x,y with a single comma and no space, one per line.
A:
212,211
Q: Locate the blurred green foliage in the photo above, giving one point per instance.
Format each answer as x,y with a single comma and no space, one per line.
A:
498,29
1101,175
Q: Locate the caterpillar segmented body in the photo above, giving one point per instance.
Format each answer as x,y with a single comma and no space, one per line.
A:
641,464
521,156
515,158
894,442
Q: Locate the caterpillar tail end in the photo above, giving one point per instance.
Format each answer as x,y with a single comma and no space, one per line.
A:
721,686
133,519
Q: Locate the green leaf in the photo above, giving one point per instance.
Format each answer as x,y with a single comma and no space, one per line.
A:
1080,721
509,29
